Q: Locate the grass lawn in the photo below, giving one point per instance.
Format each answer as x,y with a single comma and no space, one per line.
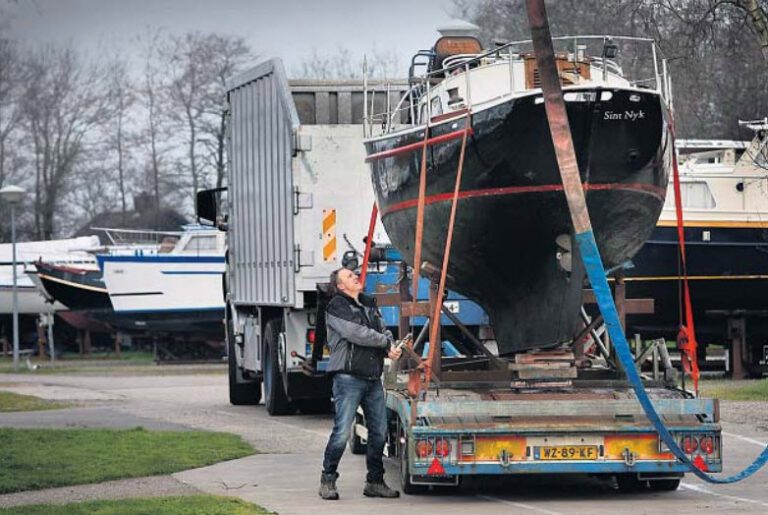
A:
39,458
754,390
187,505
10,401
115,368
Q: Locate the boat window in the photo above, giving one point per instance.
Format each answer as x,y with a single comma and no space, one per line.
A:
200,243
168,244
695,195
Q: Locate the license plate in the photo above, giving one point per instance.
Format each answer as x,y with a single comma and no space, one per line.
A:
566,452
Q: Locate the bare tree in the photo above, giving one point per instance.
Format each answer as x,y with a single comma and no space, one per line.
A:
62,105
758,13
121,98
12,160
701,20
189,78
199,65
11,78
345,64
151,93
227,55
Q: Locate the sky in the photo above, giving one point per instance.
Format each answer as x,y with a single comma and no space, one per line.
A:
290,29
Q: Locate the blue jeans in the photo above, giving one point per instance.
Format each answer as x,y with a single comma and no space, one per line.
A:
349,392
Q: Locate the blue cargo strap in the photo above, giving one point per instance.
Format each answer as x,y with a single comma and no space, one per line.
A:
594,266
593,263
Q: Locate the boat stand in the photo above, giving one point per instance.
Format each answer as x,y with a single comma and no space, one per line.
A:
745,360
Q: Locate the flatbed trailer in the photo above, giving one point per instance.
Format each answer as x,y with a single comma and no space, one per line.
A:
557,411
588,428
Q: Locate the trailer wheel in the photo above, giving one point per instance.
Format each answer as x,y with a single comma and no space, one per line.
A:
356,445
405,477
240,394
629,483
664,485
275,398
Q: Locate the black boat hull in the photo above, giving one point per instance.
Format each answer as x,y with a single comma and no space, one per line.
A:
77,289
728,272
512,208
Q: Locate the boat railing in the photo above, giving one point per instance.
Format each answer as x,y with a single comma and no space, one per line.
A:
135,236
645,69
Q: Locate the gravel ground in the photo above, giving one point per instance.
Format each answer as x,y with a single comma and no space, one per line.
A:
752,414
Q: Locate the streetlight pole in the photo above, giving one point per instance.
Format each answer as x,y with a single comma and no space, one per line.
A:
15,292
12,195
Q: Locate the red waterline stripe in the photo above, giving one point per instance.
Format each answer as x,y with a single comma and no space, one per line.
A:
514,190
411,147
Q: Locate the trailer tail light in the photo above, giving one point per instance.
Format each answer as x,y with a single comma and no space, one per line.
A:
442,448
423,448
311,335
689,444
707,444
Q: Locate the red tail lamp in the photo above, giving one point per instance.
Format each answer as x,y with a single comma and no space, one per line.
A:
707,444
311,335
690,445
423,448
442,448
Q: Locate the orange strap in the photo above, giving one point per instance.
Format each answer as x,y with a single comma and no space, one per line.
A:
434,327
420,215
686,338
414,378
369,242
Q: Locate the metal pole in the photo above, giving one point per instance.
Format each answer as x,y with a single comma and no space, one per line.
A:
366,132
660,87
15,292
51,349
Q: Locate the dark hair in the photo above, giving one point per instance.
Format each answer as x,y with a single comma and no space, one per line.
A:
333,288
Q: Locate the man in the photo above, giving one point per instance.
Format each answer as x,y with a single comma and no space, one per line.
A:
358,340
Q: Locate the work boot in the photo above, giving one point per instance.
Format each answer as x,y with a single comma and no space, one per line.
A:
379,489
328,487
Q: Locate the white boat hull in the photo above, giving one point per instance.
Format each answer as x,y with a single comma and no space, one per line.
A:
164,283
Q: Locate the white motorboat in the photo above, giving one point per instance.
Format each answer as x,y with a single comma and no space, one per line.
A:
183,278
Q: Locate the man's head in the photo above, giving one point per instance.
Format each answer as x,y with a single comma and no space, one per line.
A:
346,281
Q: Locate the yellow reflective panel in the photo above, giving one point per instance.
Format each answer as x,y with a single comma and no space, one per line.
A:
490,448
644,447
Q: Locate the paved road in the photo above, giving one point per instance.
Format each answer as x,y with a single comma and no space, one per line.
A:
284,478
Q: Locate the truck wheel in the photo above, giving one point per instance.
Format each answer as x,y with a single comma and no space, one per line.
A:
356,445
664,485
240,394
275,398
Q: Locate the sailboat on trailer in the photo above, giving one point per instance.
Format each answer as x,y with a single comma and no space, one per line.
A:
512,249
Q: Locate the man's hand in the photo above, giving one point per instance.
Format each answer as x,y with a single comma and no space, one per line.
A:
394,352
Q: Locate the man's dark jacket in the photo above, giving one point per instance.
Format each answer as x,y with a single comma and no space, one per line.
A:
357,336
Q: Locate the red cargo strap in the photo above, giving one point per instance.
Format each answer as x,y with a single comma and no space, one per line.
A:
686,338
369,242
435,346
